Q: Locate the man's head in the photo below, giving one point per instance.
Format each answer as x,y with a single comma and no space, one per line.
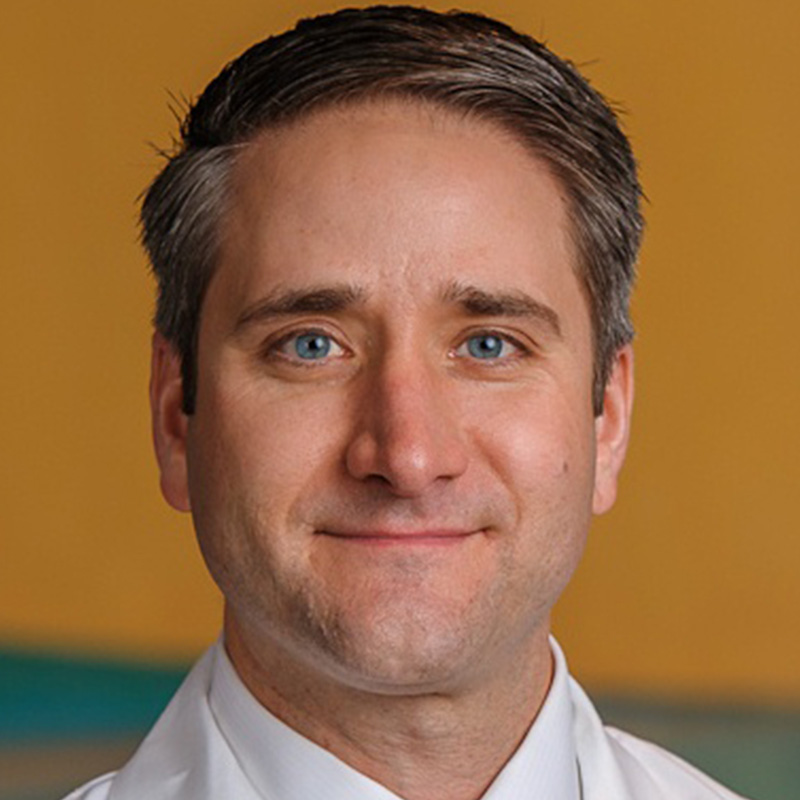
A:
463,62
396,443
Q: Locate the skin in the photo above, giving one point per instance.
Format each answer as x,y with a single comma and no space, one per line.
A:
391,523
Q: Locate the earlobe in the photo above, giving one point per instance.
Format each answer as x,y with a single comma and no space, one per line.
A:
612,430
169,422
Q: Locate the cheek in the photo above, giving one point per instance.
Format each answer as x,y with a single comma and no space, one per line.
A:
543,455
536,444
249,462
260,450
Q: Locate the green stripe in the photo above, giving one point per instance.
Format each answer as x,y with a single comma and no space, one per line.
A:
51,697
755,751
47,699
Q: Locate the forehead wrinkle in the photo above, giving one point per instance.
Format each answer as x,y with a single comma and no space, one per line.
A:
515,303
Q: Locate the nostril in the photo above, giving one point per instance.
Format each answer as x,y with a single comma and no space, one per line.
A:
407,457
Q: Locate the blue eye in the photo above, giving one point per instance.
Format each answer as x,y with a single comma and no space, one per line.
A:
491,348
486,345
311,346
305,349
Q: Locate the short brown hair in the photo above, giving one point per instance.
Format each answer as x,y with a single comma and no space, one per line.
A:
457,60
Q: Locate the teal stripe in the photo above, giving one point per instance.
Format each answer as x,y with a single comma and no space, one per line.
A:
49,697
755,751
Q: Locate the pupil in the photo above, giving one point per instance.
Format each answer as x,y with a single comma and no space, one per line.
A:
485,346
313,345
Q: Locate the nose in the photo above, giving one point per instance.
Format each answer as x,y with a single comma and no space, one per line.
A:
408,434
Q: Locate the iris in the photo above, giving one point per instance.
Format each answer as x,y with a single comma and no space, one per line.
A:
485,346
312,346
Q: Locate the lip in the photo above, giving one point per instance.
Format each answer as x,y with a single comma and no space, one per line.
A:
429,538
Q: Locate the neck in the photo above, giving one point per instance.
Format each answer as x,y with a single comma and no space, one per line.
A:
436,744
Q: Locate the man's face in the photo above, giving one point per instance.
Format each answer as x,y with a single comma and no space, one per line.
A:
393,460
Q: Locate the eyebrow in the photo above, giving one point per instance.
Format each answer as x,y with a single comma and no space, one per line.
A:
481,303
331,299
282,303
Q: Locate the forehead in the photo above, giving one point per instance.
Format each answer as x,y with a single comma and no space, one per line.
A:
398,196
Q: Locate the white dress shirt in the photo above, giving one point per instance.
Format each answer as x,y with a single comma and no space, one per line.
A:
281,763
216,742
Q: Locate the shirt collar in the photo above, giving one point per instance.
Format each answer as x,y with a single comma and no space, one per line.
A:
545,764
280,763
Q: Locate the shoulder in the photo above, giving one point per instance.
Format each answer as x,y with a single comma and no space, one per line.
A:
175,746
619,765
669,772
97,789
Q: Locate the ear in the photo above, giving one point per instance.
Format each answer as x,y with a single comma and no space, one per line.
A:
169,422
612,429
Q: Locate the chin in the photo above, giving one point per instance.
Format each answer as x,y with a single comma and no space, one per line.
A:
397,654
406,672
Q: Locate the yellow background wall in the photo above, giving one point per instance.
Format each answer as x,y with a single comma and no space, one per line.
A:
690,586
